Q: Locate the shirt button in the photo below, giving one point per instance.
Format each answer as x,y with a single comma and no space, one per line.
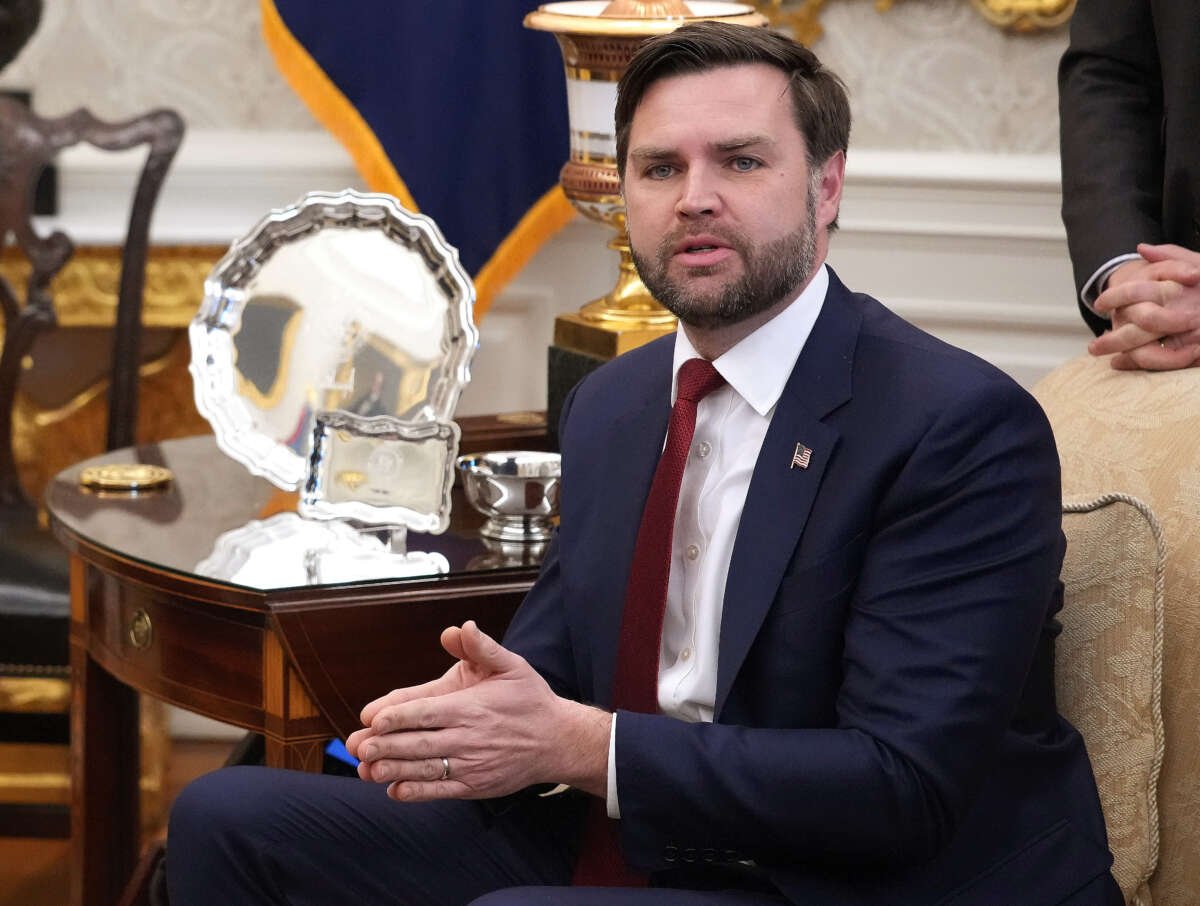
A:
703,449
693,552
685,654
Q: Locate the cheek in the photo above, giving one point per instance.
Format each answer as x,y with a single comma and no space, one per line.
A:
774,217
643,233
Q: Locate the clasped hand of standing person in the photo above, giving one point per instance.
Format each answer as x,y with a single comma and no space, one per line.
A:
489,726
1154,302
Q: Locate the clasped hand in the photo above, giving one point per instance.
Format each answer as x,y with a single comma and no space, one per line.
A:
1154,303
494,719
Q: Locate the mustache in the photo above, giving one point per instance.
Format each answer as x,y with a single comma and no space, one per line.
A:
735,239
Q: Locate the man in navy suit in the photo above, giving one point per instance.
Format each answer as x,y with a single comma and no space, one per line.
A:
848,696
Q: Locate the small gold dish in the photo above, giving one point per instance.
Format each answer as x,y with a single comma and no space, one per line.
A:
125,478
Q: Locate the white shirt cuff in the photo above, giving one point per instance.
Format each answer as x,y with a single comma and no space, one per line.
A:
614,807
1098,282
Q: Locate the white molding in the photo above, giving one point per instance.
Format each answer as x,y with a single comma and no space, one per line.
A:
219,185
960,169
971,247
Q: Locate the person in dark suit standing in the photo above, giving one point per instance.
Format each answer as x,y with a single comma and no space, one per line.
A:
793,642
1129,106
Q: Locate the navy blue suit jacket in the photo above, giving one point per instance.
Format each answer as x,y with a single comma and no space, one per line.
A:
885,726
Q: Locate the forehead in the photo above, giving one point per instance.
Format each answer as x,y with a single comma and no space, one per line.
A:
746,96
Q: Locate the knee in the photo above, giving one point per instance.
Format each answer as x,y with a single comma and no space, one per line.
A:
212,805
216,836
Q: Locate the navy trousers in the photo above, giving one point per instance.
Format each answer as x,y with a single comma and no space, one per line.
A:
256,835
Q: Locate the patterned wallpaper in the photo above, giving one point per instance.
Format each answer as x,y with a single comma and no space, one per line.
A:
935,75
928,74
205,58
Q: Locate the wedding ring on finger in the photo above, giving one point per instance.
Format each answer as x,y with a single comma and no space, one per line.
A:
445,768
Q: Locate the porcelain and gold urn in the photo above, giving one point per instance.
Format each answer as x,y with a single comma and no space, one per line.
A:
598,39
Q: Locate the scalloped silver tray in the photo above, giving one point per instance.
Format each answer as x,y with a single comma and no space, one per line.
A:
341,302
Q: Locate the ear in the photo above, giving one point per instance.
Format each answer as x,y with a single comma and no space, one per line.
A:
829,190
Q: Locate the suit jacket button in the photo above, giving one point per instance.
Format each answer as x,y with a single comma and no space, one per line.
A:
689,854
670,853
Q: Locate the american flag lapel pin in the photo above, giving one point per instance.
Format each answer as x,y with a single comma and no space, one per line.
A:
801,457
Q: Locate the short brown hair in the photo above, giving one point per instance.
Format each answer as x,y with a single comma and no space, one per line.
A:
822,111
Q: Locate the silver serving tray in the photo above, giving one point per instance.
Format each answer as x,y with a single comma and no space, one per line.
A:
341,302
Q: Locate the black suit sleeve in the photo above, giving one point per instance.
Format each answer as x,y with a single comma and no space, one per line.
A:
1111,119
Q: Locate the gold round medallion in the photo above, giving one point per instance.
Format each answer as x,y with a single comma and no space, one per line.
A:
125,478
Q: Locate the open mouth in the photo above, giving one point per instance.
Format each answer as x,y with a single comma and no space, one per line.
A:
702,251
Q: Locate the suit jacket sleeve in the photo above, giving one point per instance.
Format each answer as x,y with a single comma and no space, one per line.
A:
538,631
943,616
1111,119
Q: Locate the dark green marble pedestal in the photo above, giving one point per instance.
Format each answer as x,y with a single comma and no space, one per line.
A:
565,369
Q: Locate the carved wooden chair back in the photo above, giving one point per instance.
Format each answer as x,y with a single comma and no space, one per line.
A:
27,144
34,600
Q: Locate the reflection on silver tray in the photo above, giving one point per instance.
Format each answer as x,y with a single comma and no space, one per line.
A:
381,471
286,551
508,553
343,301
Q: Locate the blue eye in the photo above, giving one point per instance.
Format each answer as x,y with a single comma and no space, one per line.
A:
660,171
745,164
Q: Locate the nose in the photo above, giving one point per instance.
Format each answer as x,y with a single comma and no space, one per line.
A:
698,194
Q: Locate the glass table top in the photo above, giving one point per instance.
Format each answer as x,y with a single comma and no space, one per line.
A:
177,528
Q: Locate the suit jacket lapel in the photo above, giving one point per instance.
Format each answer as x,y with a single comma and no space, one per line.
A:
780,497
638,435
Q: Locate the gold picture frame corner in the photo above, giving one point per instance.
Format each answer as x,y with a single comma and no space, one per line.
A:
1018,17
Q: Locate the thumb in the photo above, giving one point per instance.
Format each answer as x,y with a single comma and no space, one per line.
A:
483,651
452,642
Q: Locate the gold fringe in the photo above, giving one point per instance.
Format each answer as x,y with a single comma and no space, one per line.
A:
335,112
331,108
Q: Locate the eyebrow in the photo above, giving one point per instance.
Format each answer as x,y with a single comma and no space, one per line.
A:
737,143
743,141
651,154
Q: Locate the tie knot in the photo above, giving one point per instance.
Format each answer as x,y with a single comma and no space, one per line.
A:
697,379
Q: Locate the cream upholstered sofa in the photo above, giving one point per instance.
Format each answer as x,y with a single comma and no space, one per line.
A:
1129,657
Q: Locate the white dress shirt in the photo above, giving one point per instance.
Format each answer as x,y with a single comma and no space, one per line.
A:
731,423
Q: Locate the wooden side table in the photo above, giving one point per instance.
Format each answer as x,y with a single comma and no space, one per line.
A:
294,664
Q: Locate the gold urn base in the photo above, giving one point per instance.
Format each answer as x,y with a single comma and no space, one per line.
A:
604,339
623,319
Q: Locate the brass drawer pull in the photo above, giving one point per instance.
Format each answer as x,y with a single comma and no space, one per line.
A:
141,631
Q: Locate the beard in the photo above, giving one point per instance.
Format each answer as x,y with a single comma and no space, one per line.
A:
772,272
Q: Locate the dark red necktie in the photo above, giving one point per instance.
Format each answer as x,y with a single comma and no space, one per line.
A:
635,684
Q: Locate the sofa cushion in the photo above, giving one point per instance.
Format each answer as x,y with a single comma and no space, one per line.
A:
1139,432
1109,669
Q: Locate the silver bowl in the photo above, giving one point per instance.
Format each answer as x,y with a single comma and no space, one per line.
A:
517,490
